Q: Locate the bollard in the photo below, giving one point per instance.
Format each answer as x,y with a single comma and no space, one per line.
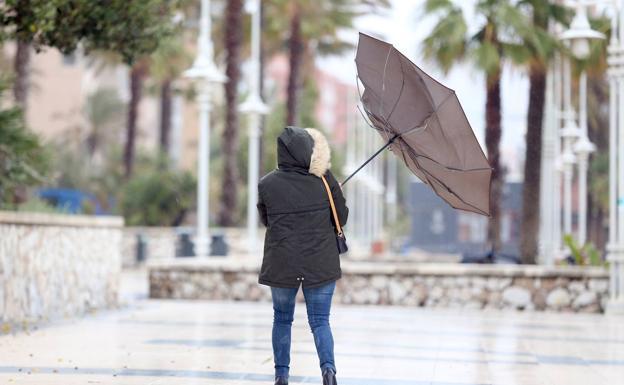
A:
184,246
218,246
140,249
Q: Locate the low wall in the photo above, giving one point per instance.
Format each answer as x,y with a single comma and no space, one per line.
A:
160,242
55,266
573,289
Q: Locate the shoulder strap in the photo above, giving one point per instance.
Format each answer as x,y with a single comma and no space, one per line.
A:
333,207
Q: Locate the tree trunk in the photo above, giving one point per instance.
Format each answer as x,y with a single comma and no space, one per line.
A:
532,166
165,116
137,77
296,47
230,145
492,141
21,66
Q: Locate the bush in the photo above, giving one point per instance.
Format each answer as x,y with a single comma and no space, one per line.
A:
23,160
586,255
158,198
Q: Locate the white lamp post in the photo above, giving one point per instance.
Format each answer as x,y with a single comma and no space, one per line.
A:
580,32
569,133
615,246
255,107
579,35
206,73
583,147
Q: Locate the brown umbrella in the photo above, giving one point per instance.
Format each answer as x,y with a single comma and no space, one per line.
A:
424,124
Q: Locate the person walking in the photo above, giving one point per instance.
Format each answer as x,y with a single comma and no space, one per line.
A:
300,244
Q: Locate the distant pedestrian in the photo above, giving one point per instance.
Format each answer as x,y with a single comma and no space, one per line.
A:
300,244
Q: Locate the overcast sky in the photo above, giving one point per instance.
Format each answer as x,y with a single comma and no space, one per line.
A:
405,29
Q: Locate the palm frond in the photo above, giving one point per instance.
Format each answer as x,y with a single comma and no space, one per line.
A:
486,56
446,44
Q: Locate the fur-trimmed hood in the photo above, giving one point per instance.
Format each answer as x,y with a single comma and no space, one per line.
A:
303,150
321,154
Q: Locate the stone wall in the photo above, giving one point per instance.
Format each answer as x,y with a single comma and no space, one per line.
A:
55,266
571,289
160,242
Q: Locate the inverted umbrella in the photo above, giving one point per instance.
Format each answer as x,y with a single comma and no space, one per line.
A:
424,124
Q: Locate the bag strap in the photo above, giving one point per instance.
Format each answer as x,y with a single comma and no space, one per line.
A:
333,207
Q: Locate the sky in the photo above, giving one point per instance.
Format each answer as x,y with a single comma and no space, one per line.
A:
405,28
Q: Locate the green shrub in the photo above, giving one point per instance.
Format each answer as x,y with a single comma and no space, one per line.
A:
158,198
586,255
23,160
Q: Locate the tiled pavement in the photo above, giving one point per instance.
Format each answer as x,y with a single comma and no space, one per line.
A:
182,342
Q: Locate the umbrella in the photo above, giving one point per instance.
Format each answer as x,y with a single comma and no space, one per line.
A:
424,124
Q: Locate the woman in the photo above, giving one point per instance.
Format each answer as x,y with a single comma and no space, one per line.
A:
300,244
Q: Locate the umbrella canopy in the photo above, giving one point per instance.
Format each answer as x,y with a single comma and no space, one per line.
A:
424,125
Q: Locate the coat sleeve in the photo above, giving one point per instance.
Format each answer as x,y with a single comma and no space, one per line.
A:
262,210
339,200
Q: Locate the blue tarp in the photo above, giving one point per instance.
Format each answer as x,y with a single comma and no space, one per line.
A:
70,200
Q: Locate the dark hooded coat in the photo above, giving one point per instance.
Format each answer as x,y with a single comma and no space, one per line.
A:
300,242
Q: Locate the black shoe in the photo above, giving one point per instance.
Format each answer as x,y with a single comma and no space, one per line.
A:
279,380
329,377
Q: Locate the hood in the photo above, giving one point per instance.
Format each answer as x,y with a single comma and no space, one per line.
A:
303,150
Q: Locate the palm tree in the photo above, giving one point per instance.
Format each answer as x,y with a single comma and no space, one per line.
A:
166,65
22,70
233,39
541,46
449,43
310,27
138,73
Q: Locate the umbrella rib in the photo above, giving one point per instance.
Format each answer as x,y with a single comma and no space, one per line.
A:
429,175
400,92
381,118
384,120
383,80
454,168
449,97
426,88
368,113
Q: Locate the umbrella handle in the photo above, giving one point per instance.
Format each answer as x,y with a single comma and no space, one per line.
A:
371,158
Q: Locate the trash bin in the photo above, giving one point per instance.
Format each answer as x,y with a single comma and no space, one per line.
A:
141,249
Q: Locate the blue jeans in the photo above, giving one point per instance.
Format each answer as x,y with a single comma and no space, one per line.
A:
318,303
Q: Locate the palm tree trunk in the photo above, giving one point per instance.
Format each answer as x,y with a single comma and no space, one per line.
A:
21,66
137,77
233,42
492,141
532,165
165,116
296,47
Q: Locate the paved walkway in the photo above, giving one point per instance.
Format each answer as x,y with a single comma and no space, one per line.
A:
181,342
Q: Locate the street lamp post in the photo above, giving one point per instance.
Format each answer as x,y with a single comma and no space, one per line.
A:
615,248
205,72
255,107
583,147
578,35
615,245
569,133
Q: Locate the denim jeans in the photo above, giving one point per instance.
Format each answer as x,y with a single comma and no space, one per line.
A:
318,303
